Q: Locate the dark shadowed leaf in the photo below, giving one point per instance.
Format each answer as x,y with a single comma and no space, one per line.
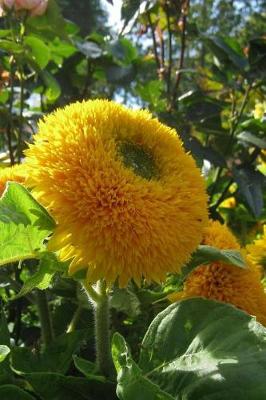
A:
55,358
228,51
251,138
12,392
250,183
59,387
89,49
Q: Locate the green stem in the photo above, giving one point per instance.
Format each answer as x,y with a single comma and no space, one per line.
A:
45,317
73,323
21,109
102,331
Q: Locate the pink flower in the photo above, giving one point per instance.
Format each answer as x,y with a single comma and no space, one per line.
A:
7,3
36,7
40,9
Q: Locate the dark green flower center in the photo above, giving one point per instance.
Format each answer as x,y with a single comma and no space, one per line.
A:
139,159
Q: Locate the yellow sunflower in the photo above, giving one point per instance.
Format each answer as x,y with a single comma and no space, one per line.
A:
256,252
223,282
128,201
15,173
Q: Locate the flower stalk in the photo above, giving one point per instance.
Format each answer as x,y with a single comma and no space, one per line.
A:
45,317
100,300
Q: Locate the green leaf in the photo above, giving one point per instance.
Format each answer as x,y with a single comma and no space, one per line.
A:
24,224
207,254
228,51
132,384
88,369
124,300
50,24
197,349
48,266
89,49
250,138
12,392
122,75
39,50
57,357
53,89
5,370
10,46
59,387
4,351
4,32
124,51
255,126
250,183
4,96
257,56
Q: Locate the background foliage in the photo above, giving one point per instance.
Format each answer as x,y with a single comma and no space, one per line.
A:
200,67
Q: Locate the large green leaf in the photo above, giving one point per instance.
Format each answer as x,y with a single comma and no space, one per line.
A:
51,386
53,89
195,350
132,384
88,369
39,50
24,224
12,392
55,358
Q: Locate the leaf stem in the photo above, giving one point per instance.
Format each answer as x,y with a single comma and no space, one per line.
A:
73,323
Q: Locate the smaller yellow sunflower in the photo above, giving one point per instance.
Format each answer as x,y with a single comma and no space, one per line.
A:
223,282
256,252
230,202
15,173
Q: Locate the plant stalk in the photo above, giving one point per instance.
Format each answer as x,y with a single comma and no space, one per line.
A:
100,301
45,317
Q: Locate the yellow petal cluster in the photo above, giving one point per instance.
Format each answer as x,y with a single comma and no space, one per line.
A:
230,202
259,110
15,173
223,282
127,199
256,252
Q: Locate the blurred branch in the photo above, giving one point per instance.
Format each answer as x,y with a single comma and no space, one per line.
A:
222,196
183,24
155,50
233,129
9,128
170,51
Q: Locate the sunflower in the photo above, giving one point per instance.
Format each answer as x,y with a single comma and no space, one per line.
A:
15,173
127,199
257,251
223,282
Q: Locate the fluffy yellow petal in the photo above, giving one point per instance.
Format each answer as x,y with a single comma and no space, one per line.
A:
128,201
